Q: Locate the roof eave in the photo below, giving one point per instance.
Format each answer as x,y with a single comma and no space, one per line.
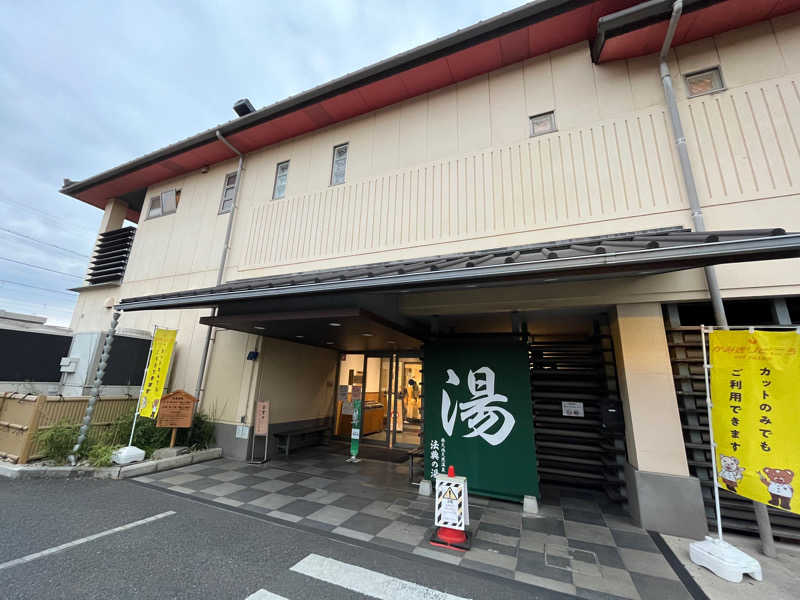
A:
782,246
463,38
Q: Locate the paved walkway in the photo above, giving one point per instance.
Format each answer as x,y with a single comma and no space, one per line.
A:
579,543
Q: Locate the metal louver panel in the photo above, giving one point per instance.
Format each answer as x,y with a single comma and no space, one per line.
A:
586,451
686,354
111,256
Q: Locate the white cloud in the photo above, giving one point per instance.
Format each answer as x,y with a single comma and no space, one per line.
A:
85,86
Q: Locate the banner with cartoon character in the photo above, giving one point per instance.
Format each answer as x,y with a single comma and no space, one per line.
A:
478,416
755,394
155,377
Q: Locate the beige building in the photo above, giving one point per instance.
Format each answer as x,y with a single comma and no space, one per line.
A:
520,177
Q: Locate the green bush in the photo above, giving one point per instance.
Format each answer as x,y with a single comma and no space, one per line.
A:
199,436
56,442
149,438
99,455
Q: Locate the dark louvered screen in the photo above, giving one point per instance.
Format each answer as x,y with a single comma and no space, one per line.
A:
111,256
586,451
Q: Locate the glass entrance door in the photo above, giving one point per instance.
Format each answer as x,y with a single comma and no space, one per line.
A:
392,397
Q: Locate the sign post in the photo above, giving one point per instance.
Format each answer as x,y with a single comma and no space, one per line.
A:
176,411
754,416
260,428
155,375
355,435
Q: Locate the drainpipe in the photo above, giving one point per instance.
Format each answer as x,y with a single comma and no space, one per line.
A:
762,517
211,334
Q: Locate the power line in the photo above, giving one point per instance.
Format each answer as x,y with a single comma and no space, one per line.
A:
59,220
45,306
36,287
19,262
43,243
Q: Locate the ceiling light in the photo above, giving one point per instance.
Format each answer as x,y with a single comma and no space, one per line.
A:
299,337
390,342
329,343
334,324
258,327
367,334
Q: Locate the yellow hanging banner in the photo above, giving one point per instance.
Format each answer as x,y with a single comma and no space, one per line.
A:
155,378
755,396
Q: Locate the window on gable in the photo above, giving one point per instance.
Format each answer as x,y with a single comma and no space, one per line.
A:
281,177
339,167
228,192
543,123
704,82
165,203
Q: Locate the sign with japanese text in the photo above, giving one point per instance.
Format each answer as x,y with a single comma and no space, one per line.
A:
261,426
755,394
176,410
355,432
452,502
155,377
478,416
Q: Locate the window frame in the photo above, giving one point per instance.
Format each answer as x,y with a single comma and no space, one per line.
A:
160,198
333,163
551,114
225,187
717,68
275,183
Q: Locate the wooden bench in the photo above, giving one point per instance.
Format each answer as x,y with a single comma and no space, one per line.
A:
411,456
300,436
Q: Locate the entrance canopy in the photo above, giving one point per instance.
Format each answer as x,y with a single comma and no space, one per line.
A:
363,301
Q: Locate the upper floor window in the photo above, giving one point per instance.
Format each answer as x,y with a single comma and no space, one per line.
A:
704,82
281,176
164,204
339,166
543,123
228,192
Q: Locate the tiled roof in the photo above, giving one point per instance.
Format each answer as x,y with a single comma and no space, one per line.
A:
650,252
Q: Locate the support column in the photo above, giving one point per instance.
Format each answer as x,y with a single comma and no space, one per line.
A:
662,495
113,215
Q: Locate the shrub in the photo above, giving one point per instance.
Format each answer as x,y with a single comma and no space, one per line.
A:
56,442
147,436
99,455
200,435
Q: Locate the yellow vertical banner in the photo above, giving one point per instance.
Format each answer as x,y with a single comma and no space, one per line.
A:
755,396
155,378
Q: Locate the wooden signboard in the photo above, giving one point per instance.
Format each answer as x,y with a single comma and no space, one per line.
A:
262,418
176,410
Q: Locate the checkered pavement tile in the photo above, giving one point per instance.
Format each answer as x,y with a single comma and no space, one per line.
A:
580,543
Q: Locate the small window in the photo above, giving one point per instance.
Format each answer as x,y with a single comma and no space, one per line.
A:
164,204
281,176
155,207
704,82
339,164
228,192
543,123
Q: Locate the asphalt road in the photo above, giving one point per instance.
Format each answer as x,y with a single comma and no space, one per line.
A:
200,551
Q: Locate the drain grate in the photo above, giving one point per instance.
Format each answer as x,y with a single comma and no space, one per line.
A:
572,559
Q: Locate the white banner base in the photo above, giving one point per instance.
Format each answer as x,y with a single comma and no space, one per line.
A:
724,560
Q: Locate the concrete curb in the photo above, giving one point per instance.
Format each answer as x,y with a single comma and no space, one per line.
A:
10,471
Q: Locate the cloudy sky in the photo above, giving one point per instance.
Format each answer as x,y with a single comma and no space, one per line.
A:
85,86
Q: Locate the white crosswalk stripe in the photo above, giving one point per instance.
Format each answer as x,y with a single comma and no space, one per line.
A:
264,595
364,581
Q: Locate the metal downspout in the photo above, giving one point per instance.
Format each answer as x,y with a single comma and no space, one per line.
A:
762,517
211,334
